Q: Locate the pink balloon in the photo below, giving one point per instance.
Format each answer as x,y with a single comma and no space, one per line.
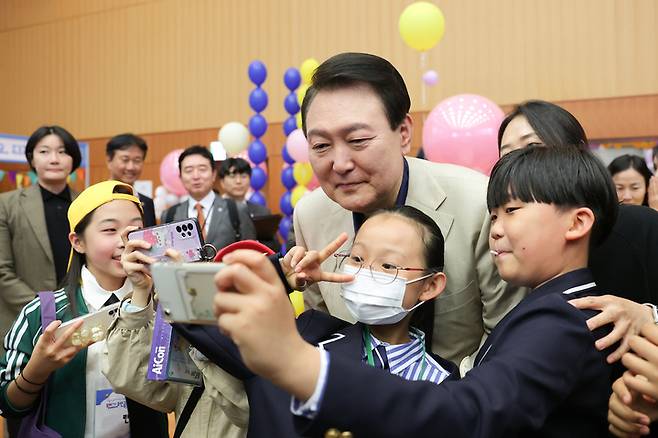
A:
430,77
463,130
298,146
169,174
313,183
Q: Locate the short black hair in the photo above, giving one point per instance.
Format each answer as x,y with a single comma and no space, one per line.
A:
554,125
350,69
234,165
124,141
627,161
70,144
196,149
566,177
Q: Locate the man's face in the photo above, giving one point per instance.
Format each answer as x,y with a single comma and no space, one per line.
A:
353,151
197,175
126,164
236,185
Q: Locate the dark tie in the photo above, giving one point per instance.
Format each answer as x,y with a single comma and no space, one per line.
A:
113,299
381,353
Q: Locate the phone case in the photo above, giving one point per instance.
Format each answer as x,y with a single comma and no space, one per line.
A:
183,236
186,291
94,326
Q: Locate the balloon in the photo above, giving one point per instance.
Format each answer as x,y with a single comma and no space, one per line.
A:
258,99
298,119
284,227
288,178
297,300
257,72
301,92
234,137
258,198
421,25
303,173
307,69
257,152
297,194
430,77
289,125
463,130
257,125
286,206
313,183
286,156
292,78
297,146
258,178
169,174
290,103
160,192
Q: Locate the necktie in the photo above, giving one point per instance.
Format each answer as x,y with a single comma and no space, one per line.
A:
201,218
113,299
382,359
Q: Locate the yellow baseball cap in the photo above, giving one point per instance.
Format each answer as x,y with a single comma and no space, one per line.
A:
95,196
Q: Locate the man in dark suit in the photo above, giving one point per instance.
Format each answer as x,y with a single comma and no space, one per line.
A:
125,160
198,174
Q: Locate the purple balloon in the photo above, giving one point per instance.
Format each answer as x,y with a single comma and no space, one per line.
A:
258,178
285,204
258,99
257,125
290,103
430,77
257,72
257,152
288,178
292,78
284,227
286,156
289,125
258,198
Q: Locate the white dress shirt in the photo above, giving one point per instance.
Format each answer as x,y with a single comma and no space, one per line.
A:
206,205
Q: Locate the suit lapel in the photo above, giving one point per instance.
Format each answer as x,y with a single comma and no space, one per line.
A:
217,207
32,205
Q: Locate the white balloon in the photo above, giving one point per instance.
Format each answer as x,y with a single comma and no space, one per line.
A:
235,137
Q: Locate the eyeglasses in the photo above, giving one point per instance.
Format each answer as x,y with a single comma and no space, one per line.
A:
377,266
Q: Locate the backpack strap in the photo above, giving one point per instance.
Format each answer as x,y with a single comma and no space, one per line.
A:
235,218
187,410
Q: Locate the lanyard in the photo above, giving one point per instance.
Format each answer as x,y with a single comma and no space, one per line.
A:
367,341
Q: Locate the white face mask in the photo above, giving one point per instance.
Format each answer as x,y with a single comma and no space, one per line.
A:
372,302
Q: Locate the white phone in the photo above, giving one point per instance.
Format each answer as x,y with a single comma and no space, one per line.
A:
186,291
94,326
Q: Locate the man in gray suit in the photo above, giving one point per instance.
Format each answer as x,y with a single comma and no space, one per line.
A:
356,118
198,174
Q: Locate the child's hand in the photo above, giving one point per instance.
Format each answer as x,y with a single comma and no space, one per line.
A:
51,354
136,264
303,268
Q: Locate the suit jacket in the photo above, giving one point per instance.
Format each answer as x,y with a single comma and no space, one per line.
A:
220,229
538,374
269,406
149,210
475,298
26,257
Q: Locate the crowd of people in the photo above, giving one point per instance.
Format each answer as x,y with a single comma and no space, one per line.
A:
440,302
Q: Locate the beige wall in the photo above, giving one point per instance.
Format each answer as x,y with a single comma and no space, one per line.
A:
100,67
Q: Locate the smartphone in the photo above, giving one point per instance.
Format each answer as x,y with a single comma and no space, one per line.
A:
183,236
186,291
94,326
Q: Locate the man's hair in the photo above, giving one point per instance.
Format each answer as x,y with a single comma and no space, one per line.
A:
234,165
124,141
196,150
554,125
566,177
70,144
351,69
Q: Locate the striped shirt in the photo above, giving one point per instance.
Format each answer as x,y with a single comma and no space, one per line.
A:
406,360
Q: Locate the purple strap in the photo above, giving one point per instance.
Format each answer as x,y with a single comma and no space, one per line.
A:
48,314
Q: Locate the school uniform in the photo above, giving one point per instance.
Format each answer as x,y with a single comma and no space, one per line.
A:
269,406
77,390
537,374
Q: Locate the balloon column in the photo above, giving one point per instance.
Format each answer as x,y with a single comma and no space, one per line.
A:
171,191
257,126
291,79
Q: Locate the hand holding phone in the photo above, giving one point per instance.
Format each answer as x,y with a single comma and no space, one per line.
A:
94,326
183,236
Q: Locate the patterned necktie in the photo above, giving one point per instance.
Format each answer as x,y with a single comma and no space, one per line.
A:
201,218
381,360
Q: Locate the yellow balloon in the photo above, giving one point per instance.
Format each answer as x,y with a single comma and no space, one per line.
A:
307,69
301,92
303,173
297,194
297,300
298,118
422,25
